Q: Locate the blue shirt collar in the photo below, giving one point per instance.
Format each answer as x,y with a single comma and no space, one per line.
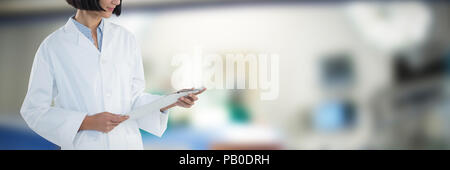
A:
84,28
87,32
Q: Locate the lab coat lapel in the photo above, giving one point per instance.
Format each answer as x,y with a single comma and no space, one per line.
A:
107,35
71,31
78,37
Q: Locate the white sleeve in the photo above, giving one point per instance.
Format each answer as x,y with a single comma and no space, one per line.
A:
54,124
156,122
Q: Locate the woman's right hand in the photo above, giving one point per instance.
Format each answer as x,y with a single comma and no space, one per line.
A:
103,122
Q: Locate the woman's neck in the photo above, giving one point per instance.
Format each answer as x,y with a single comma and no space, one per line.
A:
88,18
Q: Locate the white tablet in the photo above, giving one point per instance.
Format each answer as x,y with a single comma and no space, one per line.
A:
162,102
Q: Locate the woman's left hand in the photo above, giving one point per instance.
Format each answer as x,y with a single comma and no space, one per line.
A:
186,102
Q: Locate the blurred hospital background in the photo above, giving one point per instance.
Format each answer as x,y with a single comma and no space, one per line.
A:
352,74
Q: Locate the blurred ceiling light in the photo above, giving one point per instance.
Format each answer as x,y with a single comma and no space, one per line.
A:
391,25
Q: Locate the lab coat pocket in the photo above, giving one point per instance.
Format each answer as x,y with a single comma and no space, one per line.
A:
89,139
134,142
134,138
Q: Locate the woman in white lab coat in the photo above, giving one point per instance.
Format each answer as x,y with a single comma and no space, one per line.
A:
84,76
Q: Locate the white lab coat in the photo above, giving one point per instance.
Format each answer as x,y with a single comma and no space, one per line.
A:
70,79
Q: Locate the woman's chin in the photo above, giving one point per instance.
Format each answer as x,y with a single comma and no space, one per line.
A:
106,15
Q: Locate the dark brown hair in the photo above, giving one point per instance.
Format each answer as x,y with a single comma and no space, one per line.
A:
92,5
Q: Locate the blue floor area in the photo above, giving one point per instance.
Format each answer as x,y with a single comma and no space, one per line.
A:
19,139
176,137
23,139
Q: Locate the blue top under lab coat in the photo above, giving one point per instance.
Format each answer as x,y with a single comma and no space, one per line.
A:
88,34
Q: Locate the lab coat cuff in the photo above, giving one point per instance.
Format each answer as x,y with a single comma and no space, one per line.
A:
72,126
165,112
